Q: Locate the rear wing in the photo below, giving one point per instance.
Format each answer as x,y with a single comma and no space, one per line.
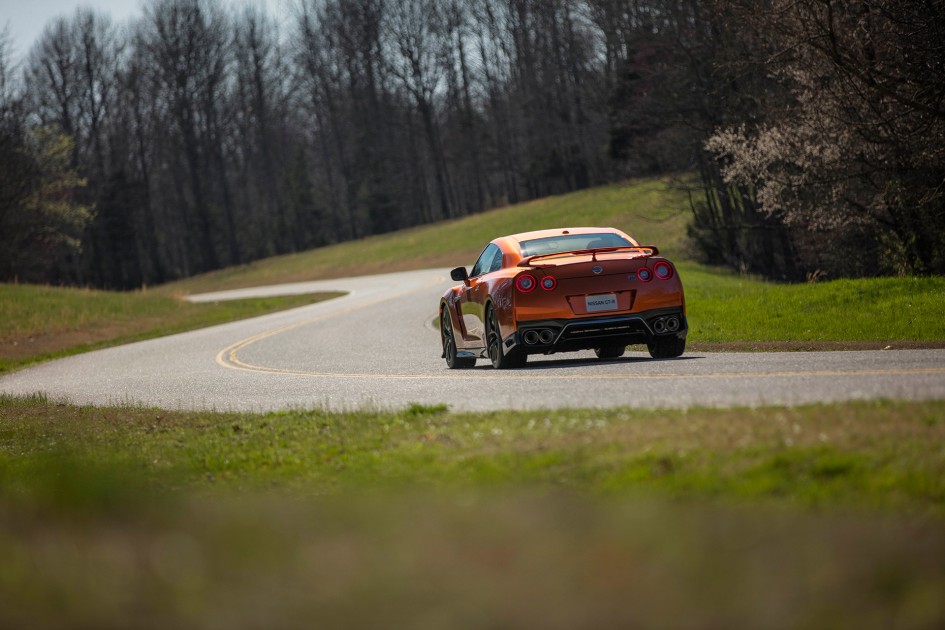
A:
645,251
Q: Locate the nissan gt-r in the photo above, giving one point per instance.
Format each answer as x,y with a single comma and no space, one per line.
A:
562,290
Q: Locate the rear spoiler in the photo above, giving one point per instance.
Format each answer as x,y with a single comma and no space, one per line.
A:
646,250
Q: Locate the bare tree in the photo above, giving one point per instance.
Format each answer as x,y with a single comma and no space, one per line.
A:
188,45
415,29
321,69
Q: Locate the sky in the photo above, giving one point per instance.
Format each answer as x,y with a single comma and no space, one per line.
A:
27,18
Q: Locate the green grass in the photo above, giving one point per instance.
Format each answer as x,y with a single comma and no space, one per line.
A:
828,515
724,307
41,322
885,456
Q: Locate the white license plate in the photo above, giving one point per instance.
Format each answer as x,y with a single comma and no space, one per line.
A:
597,303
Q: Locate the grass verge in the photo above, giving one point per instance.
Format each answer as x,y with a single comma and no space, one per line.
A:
41,322
885,456
729,312
814,516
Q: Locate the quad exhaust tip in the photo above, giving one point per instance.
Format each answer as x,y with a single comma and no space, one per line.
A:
544,336
666,325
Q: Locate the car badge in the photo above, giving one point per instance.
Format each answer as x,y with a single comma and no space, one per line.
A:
597,269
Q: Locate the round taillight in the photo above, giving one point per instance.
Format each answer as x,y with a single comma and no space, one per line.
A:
663,271
548,283
526,283
644,275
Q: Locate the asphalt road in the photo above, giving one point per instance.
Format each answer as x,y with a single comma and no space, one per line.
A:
377,348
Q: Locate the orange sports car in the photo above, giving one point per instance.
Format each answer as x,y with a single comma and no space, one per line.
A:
562,290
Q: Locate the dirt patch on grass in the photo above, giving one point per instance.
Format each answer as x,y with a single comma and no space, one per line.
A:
38,345
808,346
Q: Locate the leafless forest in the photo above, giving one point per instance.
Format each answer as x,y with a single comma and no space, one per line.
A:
812,131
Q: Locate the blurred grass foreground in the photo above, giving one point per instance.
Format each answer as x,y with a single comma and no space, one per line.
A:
519,560
820,516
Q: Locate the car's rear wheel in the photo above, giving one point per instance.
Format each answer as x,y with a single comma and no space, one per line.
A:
610,352
448,337
497,355
666,347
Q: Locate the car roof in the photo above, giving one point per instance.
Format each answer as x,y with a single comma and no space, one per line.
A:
511,245
527,236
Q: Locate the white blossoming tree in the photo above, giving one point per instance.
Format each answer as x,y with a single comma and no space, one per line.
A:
853,162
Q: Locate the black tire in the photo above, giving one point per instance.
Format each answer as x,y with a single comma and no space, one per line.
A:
666,347
448,338
497,355
610,352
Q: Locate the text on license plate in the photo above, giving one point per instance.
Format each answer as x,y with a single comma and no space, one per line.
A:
596,303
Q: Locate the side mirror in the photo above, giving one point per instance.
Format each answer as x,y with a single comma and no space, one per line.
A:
459,274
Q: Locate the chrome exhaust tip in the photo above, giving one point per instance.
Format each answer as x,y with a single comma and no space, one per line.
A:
531,337
672,324
547,336
659,325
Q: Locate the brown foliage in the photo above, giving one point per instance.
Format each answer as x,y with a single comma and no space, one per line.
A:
853,160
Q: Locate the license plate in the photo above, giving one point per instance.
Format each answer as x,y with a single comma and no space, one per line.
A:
597,303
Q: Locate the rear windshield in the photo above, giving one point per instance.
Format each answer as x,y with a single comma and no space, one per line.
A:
570,243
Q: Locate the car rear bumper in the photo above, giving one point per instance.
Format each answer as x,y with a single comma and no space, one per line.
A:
565,335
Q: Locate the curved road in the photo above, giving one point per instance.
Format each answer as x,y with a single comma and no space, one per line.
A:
377,348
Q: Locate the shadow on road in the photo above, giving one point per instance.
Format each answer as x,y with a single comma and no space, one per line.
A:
535,365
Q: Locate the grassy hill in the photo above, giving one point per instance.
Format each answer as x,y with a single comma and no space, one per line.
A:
653,211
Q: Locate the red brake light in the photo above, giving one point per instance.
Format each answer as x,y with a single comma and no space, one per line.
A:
548,283
663,271
526,283
644,275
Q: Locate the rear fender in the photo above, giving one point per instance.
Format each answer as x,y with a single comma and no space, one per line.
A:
451,303
503,301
